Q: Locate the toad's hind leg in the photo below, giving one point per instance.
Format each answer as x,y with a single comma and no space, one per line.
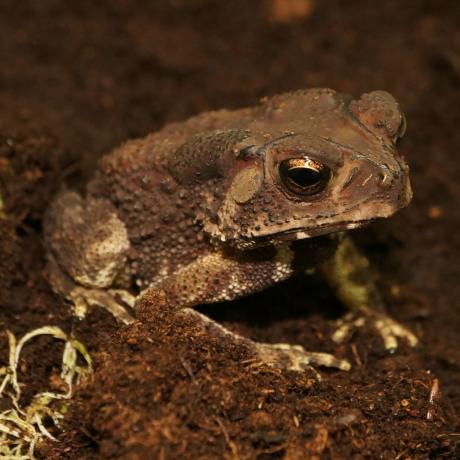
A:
278,355
350,274
87,247
218,277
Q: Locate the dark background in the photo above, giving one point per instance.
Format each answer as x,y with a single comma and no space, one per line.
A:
78,78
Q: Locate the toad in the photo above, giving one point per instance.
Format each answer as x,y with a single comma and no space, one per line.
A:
229,203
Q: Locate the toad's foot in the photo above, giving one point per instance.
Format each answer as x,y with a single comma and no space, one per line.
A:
115,301
296,358
389,329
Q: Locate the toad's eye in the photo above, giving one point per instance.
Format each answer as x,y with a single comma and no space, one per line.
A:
304,176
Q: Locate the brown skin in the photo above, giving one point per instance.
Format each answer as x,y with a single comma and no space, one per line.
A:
208,209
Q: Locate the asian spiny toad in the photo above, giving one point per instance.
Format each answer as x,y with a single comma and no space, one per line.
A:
230,202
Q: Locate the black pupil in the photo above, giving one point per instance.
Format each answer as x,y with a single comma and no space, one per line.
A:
304,177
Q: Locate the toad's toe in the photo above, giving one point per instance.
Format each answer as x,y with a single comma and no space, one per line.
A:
390,330
111,300
296,358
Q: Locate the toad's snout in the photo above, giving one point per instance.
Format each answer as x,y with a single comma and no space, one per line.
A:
396,183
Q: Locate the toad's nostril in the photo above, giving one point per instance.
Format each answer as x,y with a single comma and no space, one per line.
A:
385,179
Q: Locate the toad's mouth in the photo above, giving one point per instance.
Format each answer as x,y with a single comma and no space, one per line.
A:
301,233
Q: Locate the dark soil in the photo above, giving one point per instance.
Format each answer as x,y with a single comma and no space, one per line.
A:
77,78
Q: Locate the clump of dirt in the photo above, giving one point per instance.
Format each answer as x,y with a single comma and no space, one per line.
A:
81,77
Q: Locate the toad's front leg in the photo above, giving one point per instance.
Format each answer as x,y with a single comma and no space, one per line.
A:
216,277
350,274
